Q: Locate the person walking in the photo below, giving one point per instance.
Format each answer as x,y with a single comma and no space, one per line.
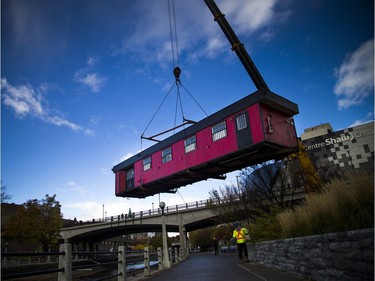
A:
239,234
216,246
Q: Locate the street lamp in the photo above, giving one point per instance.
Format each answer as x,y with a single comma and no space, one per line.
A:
166,263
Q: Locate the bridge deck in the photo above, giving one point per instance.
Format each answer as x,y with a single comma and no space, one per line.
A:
224,267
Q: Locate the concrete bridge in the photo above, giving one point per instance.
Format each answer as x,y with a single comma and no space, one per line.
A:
178,218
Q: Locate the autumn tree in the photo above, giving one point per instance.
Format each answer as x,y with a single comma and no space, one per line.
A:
37,223
157,241
222,232
311,174
202,238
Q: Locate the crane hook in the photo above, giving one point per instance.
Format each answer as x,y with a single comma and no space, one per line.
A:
177,72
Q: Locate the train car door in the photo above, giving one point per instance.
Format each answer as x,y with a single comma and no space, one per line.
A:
243,130
129,178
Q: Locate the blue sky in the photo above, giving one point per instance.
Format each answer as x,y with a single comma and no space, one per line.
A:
81,80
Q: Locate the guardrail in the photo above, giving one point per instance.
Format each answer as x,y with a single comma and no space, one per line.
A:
126,262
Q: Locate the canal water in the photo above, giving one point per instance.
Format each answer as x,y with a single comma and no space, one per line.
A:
90,274
94,273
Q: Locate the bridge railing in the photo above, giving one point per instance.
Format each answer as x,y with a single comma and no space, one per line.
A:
126,263
150,212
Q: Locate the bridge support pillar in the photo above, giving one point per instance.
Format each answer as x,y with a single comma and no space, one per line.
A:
182,233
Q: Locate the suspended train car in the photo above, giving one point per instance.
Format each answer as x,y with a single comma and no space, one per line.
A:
255,129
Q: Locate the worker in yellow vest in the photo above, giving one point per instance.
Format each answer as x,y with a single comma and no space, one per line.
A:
239,234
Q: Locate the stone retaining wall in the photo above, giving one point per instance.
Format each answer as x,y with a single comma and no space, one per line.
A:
343,256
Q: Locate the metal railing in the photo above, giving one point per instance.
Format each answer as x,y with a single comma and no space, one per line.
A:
18,256
150,212
126,262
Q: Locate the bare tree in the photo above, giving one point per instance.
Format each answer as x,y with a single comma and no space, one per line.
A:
259,187
4,196
230,203
269,183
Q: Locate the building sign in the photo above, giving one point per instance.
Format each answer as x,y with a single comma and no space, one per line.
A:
352,148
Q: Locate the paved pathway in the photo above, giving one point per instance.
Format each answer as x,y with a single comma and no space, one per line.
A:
226,267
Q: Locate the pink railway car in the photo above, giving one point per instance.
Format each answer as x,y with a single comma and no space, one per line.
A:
254,129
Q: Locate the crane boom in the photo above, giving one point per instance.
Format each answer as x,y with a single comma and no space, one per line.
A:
237,46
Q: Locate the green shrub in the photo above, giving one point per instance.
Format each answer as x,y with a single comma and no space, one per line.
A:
344,205
266,227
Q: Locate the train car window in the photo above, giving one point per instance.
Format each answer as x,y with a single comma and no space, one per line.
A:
166,155
147,163
129,178
219,131
190,144
241,122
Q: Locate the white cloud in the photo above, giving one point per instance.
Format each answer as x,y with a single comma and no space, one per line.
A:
249,16
27,101
198,34
105,171
82,210
24,99
88,78
214,45
91,61
77,188
95,120
356,76
58,121
88,210
89,132
91,80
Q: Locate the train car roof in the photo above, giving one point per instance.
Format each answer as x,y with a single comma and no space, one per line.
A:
260,96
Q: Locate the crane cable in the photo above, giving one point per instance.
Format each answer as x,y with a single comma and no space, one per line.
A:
176,72
175,56
174,39
176,66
